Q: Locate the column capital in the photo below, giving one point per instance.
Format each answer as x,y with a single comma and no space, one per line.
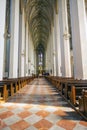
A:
23,53
66,35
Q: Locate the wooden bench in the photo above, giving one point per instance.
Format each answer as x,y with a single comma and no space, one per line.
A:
75,92
58,81
10,86
83,102
69,87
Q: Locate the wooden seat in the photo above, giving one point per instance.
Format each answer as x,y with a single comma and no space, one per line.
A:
75,93
83,102
10,86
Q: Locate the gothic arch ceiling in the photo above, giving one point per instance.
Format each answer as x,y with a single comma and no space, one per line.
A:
40,16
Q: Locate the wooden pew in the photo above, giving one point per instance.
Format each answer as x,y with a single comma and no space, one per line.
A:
7,88
75,92
69,87
3,93
83,102
10,86
58,81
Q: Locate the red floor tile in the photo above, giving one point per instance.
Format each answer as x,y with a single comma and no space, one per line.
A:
43,113
28,106
60,113
21,125
66,124
2,124
24,114
84,123
43,124
5,115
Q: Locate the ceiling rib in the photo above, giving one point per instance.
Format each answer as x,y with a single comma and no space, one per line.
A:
40,16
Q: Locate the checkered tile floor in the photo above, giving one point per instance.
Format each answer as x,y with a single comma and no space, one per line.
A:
39,107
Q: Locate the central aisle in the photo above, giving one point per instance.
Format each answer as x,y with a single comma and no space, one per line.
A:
38,106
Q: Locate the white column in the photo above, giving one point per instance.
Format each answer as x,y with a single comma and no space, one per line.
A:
2,29
58,49
48,57
57,45
20,43
64,39
49,60
79,37
14,39
46,60
29,61
86,13
27,49
51,53
53,50
31,56
23,45
34,61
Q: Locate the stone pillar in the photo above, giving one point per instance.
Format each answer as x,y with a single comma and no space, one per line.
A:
14,39
29,60
2,29
23,45
49,60
27,49
34,61
58,49
48,57
64,39
51,53
20,43
53,50
31,56
79,38
86,13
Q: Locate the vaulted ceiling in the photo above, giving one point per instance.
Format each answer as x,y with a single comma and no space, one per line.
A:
40,16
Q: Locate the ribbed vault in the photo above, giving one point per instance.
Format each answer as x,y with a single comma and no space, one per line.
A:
40,16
